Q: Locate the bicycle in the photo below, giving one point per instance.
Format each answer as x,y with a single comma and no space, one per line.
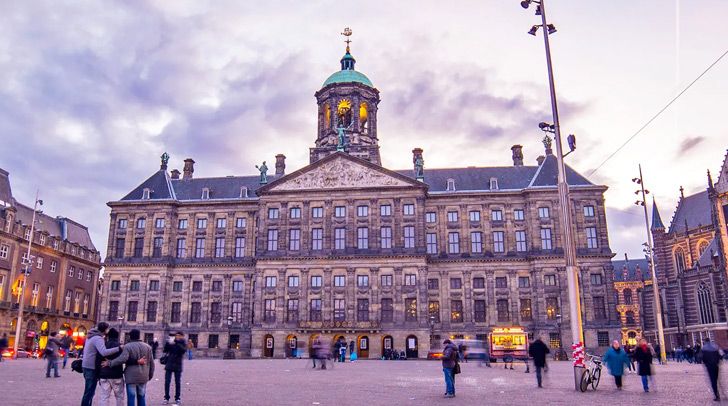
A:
592,373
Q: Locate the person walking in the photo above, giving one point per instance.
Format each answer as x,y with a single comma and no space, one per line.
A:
190,347
175,350
111,379
615,359
449,363
711,356
643,356
155,345
135,376
51,354
342,352
95,345
3,344
538,351
630,357
66,343
351,348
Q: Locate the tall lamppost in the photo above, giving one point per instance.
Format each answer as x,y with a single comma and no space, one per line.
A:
650,252
27,267
564,200
230,353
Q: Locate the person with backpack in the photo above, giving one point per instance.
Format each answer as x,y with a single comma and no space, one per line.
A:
95,345
51,354
111,379
449,366
135,376
174,351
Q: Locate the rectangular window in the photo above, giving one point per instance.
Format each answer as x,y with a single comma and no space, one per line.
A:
362,238
113,311
552,308
219,247
456,311
217,286
501,282
591,237
237,286
151,312
200,248
521,241
476,242
409,237
134,286
518,215
197,286
314,312
456,283
123,223
408,209
138,247
340,211
272,240
292,310
154,286
181,247
385,210
431,239
410,279
433,311
213,341
362,211
157,247
498,243
215,312
269,314
295,213
273,213
474,215
118,254
362,281
316,281
270,281
221,222
240,222
71,271
201,224
546,239
386,280
524,282
549,280
176,313
293,281
496,215
132,309
386,237
543,212
49,294
339,310
596,279
115,286
317,239
141,223
317,212
433,284
600,311
603,338
362,309
239,247
410,309
453,243
294,239
159,223
526,314
431,217
339,238
182,224
54,266
502,310
339,280
478,283
236,311
479,311
588,211
452,216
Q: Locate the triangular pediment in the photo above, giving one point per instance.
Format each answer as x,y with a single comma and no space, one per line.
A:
341,171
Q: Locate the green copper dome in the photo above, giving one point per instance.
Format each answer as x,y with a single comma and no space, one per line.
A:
347,74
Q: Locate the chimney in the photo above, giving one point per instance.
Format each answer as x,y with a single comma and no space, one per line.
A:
419,164
188,169
175,173
517,155
540,159
280,164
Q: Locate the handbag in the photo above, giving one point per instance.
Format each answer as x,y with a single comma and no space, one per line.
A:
163,359
456,370
77,366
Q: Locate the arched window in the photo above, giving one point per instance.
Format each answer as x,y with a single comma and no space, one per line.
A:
363,117
327,116
629,317
705,304
702,246
343,112
627,293
679,260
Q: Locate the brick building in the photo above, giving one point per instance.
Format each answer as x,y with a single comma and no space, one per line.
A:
344,247
61,289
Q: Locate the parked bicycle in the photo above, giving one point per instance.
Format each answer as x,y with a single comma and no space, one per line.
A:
592,372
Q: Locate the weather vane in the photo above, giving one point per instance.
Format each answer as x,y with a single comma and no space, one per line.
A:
347,33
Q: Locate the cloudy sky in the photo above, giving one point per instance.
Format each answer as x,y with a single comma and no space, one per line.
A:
91,93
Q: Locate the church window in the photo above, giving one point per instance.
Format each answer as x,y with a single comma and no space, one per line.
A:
705,304
627,293
702,246
679,260
343,112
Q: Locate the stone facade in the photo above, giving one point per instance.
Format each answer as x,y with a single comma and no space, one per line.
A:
344,247
61,290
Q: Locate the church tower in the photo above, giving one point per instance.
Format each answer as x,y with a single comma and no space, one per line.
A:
347,113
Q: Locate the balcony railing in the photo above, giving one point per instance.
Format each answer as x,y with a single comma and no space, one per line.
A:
339,325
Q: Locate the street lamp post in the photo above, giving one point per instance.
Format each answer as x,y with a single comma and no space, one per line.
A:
564,200
650,252
230,353
28,265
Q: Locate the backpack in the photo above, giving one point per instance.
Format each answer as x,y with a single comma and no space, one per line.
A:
77,366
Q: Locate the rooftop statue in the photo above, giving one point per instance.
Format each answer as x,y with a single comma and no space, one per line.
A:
263,173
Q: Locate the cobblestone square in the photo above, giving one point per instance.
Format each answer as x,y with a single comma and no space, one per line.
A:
293,382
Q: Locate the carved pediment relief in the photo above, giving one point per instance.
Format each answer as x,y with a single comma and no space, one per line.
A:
340,173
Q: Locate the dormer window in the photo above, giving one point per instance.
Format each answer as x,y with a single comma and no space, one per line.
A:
243,192
205,193
145,194
493,183
450,184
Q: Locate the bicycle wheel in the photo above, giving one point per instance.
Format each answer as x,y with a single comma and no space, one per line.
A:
597,374
585,380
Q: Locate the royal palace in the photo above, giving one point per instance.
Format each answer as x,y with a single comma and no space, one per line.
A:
344,247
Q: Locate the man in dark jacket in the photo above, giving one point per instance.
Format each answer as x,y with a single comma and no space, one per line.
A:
155,345
66,343
711,356
51,354
538,350
175,348
135,376
449,363
111,379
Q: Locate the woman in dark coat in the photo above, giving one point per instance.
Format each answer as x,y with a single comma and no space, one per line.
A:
111,379
175,349
643,356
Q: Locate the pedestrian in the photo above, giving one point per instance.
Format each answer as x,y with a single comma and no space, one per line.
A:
190,347
66,344
630,356
3,344
657,354
643,356
155,345
315,346
51,354
615,359
538,351
449,364
351,347
111,379
175,350
342,352
711,356
135,376
95,345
